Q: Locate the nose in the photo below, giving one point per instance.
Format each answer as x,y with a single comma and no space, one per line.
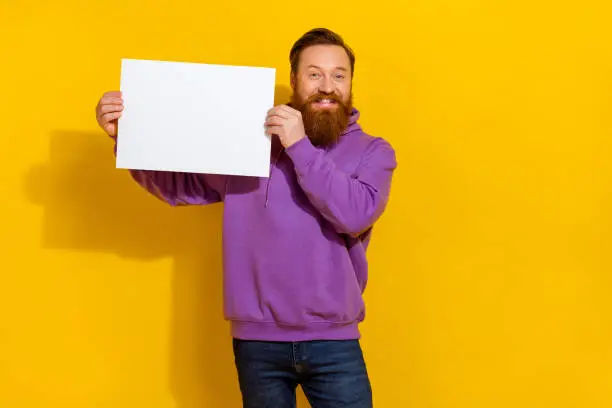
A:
327,85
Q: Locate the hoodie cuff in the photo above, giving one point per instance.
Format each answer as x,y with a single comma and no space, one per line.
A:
302,153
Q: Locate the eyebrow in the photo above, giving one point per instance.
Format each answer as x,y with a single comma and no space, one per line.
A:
338,68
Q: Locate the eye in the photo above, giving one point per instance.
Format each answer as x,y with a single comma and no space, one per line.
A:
339,76
314,75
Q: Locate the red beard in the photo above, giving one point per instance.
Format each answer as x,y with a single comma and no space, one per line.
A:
323,126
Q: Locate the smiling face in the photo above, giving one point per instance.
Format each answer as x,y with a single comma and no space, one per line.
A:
322,91
323,70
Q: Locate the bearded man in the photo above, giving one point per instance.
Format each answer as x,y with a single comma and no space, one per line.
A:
294,247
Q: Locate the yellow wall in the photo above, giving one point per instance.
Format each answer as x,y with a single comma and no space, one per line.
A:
491,271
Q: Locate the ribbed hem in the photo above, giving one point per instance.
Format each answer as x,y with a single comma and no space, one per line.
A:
274,332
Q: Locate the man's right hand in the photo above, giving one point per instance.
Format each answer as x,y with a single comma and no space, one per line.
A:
108,111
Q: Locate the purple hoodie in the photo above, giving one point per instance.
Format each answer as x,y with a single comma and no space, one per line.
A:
294,244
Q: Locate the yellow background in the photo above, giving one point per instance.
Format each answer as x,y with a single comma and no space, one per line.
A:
491,274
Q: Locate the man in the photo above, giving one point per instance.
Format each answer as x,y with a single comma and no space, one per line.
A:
294,247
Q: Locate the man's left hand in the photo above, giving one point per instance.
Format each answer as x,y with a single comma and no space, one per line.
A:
286,123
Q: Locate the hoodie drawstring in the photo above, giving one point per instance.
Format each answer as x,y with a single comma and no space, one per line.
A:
270,178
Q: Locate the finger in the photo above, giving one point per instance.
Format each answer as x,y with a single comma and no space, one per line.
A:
288,110
110,128
275,120
102,103
108,117
274,130
276,111
112,94
110,108
111,100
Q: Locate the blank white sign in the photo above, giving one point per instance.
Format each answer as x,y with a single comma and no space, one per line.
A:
196,118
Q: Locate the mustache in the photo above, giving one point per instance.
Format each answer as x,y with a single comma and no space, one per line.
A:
318,97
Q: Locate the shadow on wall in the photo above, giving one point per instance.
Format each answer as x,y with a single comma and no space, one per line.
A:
91,206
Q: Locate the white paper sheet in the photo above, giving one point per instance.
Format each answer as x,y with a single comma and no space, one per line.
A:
198,118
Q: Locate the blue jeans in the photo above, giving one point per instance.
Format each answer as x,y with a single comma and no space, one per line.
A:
331,373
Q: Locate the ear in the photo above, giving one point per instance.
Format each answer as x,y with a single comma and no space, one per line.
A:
292,81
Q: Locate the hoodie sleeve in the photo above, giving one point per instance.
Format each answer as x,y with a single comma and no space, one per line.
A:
178,189
350,202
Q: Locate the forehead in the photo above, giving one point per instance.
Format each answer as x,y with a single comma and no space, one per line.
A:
325,57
